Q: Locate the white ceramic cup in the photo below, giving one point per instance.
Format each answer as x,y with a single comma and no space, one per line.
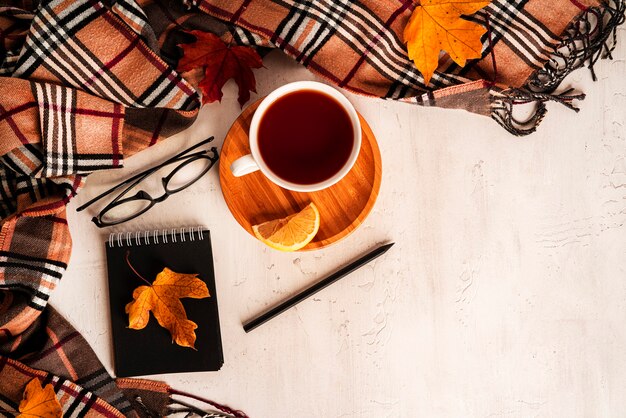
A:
253,162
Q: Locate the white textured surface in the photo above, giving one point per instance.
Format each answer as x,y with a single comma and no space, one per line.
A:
505,295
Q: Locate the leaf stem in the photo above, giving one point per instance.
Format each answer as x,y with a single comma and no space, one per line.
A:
133,269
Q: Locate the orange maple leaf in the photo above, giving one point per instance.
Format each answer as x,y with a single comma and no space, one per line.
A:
162,297
220,62
39,402
435,26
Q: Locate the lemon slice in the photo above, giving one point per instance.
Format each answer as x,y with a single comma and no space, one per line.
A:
290,233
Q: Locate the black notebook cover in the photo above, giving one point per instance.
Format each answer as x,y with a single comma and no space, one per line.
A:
150,350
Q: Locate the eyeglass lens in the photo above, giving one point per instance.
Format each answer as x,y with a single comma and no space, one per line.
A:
173,178
187,173
125,210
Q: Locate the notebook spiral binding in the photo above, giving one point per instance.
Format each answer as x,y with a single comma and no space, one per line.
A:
157,236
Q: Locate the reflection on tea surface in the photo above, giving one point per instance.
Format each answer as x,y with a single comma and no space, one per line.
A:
305,137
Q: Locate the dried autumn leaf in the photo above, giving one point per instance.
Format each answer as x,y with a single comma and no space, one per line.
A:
163,299
435,26
39,402
220,62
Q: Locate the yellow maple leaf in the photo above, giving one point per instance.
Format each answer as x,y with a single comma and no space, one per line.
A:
39,402
435,26
163,298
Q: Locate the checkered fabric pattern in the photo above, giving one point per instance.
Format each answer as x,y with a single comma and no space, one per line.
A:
81,383
358,45
85,84
86,89
75,400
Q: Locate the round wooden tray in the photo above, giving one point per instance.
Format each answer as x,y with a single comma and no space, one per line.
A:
253,199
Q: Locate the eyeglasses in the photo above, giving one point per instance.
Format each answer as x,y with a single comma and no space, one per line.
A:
189,168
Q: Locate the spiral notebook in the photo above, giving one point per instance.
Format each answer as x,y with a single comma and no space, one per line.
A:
150,350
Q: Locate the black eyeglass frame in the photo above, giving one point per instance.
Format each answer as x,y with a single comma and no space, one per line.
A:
183,158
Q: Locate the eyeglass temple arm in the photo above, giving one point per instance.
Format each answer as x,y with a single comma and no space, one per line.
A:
143,174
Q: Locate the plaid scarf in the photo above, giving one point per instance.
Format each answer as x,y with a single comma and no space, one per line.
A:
88,83
529,48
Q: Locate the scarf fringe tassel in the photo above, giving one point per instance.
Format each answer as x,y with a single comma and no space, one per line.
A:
591,37
177,407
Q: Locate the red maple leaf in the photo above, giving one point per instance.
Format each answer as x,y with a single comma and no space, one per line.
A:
220,62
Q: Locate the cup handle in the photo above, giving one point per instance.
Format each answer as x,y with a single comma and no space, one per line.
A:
243,165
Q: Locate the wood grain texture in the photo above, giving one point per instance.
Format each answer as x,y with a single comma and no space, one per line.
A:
253,199
504,296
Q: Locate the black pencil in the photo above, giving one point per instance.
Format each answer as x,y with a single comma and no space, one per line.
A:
263,318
